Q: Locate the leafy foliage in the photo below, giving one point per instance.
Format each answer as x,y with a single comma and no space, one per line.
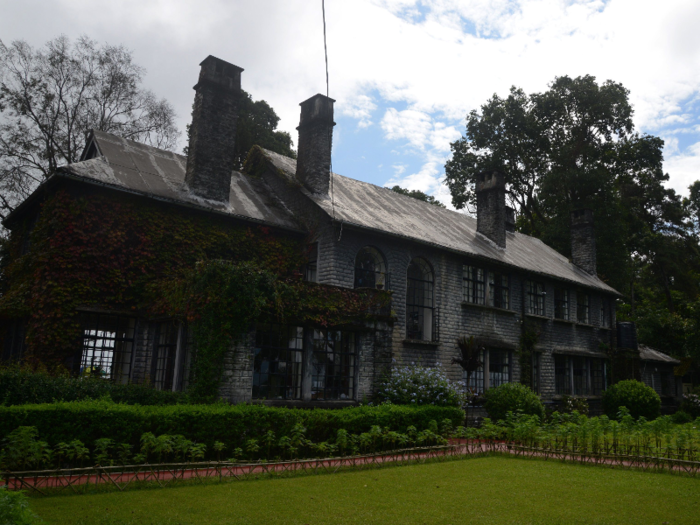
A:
14,508
417,385
574,146
65,427
512,397
417,194
23,385
51,96
638,398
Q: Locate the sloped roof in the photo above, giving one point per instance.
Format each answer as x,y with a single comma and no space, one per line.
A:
383,210
128,165
649,354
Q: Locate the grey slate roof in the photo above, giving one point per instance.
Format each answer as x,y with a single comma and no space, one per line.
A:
128,165
649,354
138,168
383,210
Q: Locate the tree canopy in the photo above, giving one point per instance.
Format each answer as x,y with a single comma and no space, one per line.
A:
51,96
417,194
574,146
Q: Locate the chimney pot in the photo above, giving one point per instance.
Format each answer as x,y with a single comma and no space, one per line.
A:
583,249
315,143
491,206
211,150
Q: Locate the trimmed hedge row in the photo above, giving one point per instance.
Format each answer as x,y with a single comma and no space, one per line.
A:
19,386
231,424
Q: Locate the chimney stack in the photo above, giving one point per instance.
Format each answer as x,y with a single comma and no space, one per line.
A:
315,142
491,206
211,150
510,219
583,252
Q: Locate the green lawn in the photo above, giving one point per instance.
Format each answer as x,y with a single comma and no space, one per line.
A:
482,490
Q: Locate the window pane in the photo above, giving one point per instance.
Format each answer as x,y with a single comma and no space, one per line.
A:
164,353
562,375
580,370
582,307
333,365
561,304
278,361
474,284
499,367
108,344
420,318
475,383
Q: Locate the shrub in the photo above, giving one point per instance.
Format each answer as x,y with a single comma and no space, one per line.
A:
512,397
234,425
417,385
569,404
14,508
681,417
691,404
19,386
640,400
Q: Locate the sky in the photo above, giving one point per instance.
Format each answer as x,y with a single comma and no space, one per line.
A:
404,73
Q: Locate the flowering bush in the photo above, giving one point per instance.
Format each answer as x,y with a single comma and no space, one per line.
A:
417,385
691,404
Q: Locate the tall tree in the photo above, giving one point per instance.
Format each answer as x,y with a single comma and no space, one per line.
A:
51,96
574,146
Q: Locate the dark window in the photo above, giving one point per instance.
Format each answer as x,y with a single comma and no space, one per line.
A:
561,304
536,373
597,376
419,302
535,295
278,357
475,383
582,308
333,365
499,367
311,269
579,376
108,346
499,291
562,375
370,270
604,312
474,284
579,367
165,355
13,345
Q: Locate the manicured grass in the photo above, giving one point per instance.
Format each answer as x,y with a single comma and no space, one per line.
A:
483,490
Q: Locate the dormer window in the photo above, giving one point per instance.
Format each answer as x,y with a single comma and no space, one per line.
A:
311,268
474,284
370,269
604,312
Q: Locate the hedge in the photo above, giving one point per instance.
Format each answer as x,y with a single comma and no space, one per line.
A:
19,386
231,424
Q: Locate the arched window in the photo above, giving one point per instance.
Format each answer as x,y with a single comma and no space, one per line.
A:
420,315
370,269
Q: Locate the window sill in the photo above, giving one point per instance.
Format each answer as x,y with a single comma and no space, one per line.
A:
564,321
420,342
604,328
542,317
466,304
586,325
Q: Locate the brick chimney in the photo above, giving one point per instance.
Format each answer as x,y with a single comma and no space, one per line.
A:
510,219
211,149
491,206
315,142
583,252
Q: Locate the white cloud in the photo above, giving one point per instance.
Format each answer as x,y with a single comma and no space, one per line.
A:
683,168
438,59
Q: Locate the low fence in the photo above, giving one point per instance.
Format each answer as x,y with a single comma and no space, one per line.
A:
81,480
